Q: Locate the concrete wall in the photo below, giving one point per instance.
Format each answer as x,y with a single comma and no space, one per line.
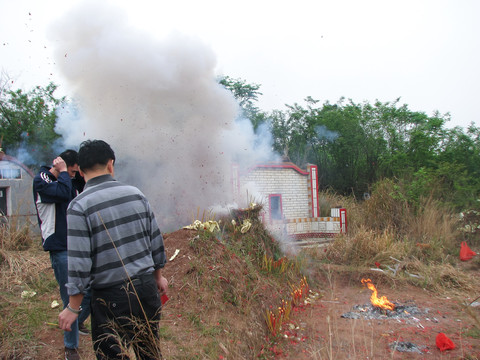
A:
298,190
290,184
18,191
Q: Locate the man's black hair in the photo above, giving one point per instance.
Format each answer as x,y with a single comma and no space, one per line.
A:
70,157
93,153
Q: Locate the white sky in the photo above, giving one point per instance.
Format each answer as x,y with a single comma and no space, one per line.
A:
425,51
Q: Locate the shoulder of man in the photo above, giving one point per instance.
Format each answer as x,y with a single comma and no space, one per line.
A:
44,175
131,188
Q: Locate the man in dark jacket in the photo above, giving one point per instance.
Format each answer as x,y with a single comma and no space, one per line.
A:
52,192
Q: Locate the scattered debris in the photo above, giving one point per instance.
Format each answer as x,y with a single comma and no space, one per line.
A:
475,302
394,270
247,224
54,304
406,346
252,212
312,297
224,348
209,225
28,294
174,255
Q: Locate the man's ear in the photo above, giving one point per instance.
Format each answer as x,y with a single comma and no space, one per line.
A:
110,166
81,172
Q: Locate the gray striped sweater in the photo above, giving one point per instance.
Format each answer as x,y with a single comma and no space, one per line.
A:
111,231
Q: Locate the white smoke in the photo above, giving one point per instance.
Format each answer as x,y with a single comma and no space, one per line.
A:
69,124
158,104
324,134
22,154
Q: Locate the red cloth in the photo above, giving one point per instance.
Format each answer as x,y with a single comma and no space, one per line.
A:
465,252
444,343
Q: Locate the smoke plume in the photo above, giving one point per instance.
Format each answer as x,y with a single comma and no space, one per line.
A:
325,135
173,128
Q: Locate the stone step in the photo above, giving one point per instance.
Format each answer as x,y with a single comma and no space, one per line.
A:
312,242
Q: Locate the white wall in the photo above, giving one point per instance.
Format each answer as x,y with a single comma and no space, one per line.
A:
292,185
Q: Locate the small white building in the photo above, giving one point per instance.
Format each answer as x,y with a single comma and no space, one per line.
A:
290,200
16,197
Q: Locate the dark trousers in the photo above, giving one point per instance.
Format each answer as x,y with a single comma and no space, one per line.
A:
121,324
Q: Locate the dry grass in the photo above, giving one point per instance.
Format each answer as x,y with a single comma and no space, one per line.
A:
385,228
329,199
23,267
15,236
441,278
364,248
21,262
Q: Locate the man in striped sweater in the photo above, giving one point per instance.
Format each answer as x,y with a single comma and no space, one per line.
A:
115,247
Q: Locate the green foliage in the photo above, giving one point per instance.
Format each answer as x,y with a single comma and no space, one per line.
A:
27,122
469,226
246,95
356,145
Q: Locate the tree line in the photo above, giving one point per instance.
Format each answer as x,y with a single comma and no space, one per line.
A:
358,145
355,145
27,122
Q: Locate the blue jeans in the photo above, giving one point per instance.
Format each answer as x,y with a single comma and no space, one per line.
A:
59,262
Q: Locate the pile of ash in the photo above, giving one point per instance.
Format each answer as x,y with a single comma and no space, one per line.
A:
406,346
368,311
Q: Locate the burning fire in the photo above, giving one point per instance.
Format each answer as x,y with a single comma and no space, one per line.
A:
382,302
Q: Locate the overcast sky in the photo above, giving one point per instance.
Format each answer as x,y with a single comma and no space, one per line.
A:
425,52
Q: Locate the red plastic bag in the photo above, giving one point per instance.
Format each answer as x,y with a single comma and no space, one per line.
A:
444,343
164,298
465,252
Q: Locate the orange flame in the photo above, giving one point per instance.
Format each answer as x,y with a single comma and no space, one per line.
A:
382,302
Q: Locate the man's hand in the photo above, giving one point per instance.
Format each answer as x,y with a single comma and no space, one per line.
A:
162,282
59,164
65,319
